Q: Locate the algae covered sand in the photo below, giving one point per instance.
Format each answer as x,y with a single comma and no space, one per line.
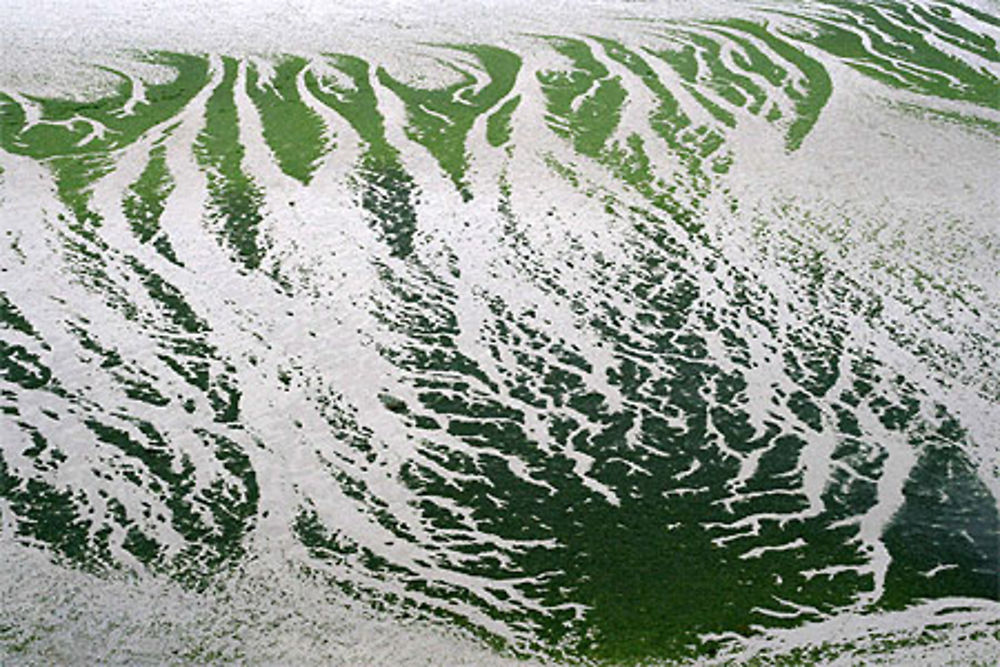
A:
620,333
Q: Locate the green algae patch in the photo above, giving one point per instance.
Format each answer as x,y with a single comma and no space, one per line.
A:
76,138
809,96
685,61
295,133
235,199
733,87
646,502
388,192
889,44
953,32
357,102
668,120
144,202
440,119
720,88
70,127
213,520
74,177
498,125
584,104
388,196
926,557
52,516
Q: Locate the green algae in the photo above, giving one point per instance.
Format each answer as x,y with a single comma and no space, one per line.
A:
735,88
11,317
71,127
685,63
51,516
498,125
901,56
144,202
668,120
76,137
926,557
956,34
809,96
235,199
388,192
58,517
593,569
357,103
294,132
213,520
611,556
440,118
22,367
584,104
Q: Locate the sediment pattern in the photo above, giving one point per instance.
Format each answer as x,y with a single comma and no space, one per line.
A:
480,349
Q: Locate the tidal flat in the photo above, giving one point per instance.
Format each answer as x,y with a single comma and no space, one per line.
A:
603,333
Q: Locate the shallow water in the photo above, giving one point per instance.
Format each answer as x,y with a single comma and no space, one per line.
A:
619,332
